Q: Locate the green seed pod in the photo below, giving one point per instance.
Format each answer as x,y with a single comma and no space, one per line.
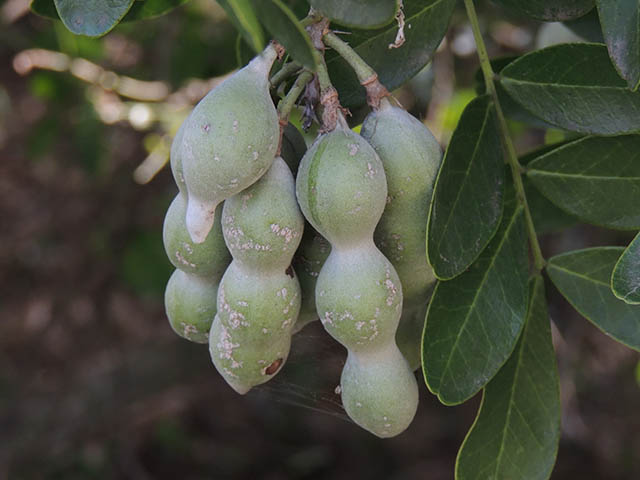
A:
352,199
251,335
229,141
341,188
190,304
207,259
259,295
383,411
308,260
411,158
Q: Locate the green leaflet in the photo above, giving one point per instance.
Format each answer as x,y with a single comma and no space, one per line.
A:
575,87
92,18
517,430
620,26
596,179
357,13
583,277
467,201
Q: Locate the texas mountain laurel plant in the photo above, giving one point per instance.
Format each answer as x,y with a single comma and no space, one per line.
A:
408,257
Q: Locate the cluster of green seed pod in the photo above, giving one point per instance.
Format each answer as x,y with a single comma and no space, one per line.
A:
237,236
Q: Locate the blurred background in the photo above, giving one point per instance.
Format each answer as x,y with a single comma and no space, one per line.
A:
93,382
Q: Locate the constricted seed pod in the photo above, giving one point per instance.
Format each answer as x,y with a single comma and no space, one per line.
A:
190,295
411,157
259,295
341,188
229,141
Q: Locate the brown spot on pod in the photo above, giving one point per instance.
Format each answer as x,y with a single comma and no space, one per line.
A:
273,368
206,127
289,271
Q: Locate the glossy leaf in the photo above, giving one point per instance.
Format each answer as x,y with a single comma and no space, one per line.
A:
467,201
625,280
426,22
516,432
575,87
620,21
474,320
584,279
92,18
357,13
243,17
283,25
596,179
549,11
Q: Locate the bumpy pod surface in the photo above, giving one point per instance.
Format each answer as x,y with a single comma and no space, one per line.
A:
308,260
411,158
190,296
342,191
229,141
259,295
